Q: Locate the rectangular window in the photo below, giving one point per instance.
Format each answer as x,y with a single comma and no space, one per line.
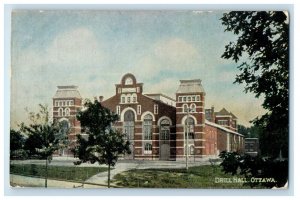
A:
155,109
71,102
128,99
198,98
189,98
119,90
184,99
180,99
193,98
138,89
123,99
139,109
134,99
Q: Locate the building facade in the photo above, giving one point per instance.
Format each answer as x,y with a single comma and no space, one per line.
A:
162,128
67,101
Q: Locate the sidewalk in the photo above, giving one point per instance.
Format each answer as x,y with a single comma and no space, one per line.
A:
24,181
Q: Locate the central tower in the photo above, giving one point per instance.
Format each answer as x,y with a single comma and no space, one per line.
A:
190,119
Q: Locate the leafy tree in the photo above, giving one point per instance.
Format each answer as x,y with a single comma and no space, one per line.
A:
271,172
103,144
44,137
262,51
249,132
17,141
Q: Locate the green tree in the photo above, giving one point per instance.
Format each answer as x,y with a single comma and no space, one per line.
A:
44,137
262,51
17,141
102,143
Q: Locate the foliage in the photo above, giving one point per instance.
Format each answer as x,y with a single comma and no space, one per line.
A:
263,39
254,168
249,132
102,143
44,137
69,173
17,141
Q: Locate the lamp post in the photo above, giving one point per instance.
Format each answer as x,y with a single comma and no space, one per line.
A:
186,139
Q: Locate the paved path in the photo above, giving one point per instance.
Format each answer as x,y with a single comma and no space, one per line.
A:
101,178
123,165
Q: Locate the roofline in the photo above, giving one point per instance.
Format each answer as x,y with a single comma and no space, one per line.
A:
221,127
161,95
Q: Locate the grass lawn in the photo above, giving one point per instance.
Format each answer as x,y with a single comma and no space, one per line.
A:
70,173
197,177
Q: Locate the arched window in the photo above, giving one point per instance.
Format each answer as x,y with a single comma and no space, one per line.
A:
192,150
129,124
185,108
148,148
64,127
67,112
60,112
189,124
164,130
193,107
147,127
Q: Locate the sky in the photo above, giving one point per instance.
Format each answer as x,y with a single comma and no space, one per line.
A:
94,49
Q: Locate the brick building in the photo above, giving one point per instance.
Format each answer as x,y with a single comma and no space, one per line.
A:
161,128
66,103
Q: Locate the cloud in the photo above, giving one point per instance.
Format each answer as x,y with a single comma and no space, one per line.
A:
173,55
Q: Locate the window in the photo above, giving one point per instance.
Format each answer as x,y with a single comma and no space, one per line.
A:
193,98
189,124
165,130
129,124
128,99
148,148
128,81
189,98
67,111
155,109
119,90
147,127
193,107
180,99
138,89
185,108
123,99
72,102
198,98
184,99
118,110
192,150
223,122
60,112
139,109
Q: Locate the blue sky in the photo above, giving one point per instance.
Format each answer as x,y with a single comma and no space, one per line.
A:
94,49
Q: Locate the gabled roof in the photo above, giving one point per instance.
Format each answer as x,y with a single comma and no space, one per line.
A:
222,128
190,86
233,116
223,112
69,91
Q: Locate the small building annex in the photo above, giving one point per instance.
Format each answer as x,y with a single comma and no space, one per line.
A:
157,126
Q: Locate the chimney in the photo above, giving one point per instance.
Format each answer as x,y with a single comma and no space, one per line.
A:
213,114
101,98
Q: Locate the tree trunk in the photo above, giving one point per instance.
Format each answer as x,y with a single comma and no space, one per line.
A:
108,177
46,174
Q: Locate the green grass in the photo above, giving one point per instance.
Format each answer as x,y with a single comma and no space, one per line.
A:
197,177
70,173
